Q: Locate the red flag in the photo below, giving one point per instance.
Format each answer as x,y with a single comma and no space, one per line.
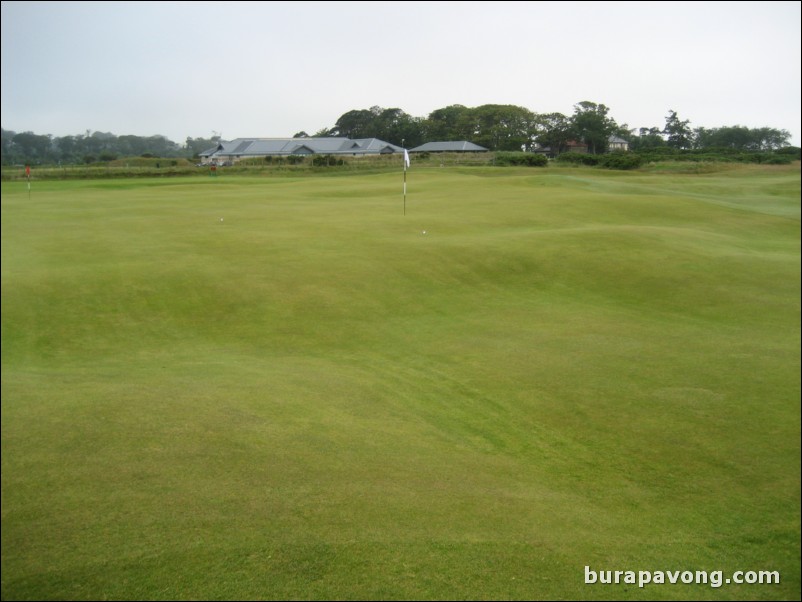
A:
28,171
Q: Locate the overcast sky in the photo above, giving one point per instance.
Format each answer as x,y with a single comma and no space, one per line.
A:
271,69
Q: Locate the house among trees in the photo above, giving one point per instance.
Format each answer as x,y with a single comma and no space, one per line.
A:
617,144
456,146
570,146
614,143
245,148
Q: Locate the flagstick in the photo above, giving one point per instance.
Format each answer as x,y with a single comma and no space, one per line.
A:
405,176
405,190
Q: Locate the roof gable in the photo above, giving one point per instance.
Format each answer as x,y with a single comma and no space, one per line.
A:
260,147
453,146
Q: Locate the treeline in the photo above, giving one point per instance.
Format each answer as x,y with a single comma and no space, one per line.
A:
93,147
515,128
496,127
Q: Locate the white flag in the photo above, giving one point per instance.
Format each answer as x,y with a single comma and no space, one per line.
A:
406,159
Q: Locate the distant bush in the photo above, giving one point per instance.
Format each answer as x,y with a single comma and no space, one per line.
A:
779,160
326,161
793,151
578,158
522,159
620,160
721,155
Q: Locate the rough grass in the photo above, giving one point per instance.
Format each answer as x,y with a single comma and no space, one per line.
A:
312,399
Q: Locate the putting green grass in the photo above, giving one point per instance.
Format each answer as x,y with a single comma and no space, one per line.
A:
282,388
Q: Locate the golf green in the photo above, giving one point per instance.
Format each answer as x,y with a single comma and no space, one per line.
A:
286,388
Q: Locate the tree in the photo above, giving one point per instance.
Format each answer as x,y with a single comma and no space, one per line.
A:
498,127
32,148
392,125
678,134
301,134
647,138
553,130
740,137
395,126
591,124
386,122
7,138
161,146
355,124
196,146
771,138
442,124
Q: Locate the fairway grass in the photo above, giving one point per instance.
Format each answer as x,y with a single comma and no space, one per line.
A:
284,388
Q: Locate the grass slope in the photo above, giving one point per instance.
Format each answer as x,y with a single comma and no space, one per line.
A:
263,388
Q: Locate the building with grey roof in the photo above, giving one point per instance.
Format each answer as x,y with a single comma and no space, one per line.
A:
616,143
453,146
242,148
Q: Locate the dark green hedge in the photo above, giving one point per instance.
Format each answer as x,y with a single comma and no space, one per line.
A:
522,159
